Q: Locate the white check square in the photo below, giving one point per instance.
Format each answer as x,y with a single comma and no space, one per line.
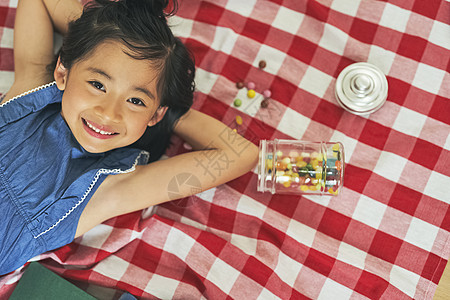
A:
333,290
437,187
162,287
333,39
390,166
351,255
180,27
249,206
428,78
409,122
369,211
6,38
421,234
205,80
246,244
112,267
439,34
288,20
347,7
222,275
267,295
395,17
287,268
224,40
293,123
6,81
178,243
316,82
446,146
406,281
275,56
301,233
97,236
243,8
381,58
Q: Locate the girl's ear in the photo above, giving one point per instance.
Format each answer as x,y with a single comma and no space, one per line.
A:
159,114
60,75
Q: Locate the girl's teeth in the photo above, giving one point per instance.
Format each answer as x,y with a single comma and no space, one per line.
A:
98,130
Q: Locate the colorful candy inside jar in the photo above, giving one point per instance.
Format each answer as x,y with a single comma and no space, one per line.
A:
299,167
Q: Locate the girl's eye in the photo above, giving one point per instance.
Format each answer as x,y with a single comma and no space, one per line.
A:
97,85
136,101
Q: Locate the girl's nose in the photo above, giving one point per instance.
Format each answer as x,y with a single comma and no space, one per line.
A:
109,111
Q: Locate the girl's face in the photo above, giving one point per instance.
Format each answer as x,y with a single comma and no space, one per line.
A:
109,98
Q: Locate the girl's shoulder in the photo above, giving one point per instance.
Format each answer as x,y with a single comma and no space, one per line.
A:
28,102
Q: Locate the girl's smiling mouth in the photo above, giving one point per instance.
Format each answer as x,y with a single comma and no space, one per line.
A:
98,131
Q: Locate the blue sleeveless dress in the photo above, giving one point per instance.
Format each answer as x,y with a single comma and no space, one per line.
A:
46,177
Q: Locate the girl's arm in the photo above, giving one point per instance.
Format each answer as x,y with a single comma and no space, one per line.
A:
33,40
225,156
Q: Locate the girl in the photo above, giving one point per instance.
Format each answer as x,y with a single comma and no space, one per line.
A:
74,151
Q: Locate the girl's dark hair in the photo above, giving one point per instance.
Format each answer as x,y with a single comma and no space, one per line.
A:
141,26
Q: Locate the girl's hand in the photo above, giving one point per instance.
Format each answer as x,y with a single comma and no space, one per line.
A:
33,40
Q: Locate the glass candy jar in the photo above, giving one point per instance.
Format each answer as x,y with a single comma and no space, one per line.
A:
300,167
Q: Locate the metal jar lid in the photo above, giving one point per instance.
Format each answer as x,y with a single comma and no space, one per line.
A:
361,88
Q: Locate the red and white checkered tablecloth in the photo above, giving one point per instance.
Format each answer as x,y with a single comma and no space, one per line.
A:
385,237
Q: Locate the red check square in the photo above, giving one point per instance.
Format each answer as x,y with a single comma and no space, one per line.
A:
425,154
428,8
363,31
412,46
405,199
371,285
334,224
385,246
256,30
375,134
319,262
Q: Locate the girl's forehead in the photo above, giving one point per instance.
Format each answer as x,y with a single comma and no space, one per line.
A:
113,50
111,57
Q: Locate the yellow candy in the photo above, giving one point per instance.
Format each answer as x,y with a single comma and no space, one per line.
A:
314,163
304,188
269,163
312,187
336,147
318,172
287,184
289,166
239,120
251,93
279,153
331,191
301,164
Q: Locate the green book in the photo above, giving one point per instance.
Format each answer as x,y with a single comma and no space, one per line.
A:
39,282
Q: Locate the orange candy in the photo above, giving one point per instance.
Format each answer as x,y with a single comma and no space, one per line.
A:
338,165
